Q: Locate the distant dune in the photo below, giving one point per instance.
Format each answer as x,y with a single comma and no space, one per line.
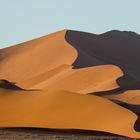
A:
73,80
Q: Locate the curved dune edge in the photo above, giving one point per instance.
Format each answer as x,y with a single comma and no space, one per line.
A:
129,96
26,60
119,48
45,64
65,110
64,77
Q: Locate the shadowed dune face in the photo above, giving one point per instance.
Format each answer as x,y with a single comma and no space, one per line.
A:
114,47
129,96
60,70
8,85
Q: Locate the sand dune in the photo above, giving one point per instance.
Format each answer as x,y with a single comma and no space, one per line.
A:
48,77
66,78
113,47
73,80
34,57
48,111
129,96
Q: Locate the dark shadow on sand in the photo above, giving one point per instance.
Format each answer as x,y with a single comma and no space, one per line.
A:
9,85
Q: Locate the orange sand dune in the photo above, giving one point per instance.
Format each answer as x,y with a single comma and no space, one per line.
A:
87,80
34,57
67,78
49,76
45,83
64,110
130,96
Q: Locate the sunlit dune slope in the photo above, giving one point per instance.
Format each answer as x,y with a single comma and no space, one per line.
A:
26,60
49,77
73,80
64,110
129,96
89,79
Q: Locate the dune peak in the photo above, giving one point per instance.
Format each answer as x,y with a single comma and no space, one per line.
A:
72,78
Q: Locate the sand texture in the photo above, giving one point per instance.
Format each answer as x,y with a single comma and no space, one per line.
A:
72,80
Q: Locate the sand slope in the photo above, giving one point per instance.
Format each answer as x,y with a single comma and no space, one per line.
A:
31,58
66,78
46,83
46,109
120,48
129,96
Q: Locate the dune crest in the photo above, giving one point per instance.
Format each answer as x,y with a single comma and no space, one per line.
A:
129,96
66,78
48,111
73,80
34,57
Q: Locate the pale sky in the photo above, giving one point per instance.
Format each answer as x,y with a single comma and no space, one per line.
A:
22,20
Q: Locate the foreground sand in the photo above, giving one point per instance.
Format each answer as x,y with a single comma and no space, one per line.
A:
45,83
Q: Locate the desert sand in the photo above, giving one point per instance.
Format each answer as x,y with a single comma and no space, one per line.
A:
53,81
66,78
129,96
